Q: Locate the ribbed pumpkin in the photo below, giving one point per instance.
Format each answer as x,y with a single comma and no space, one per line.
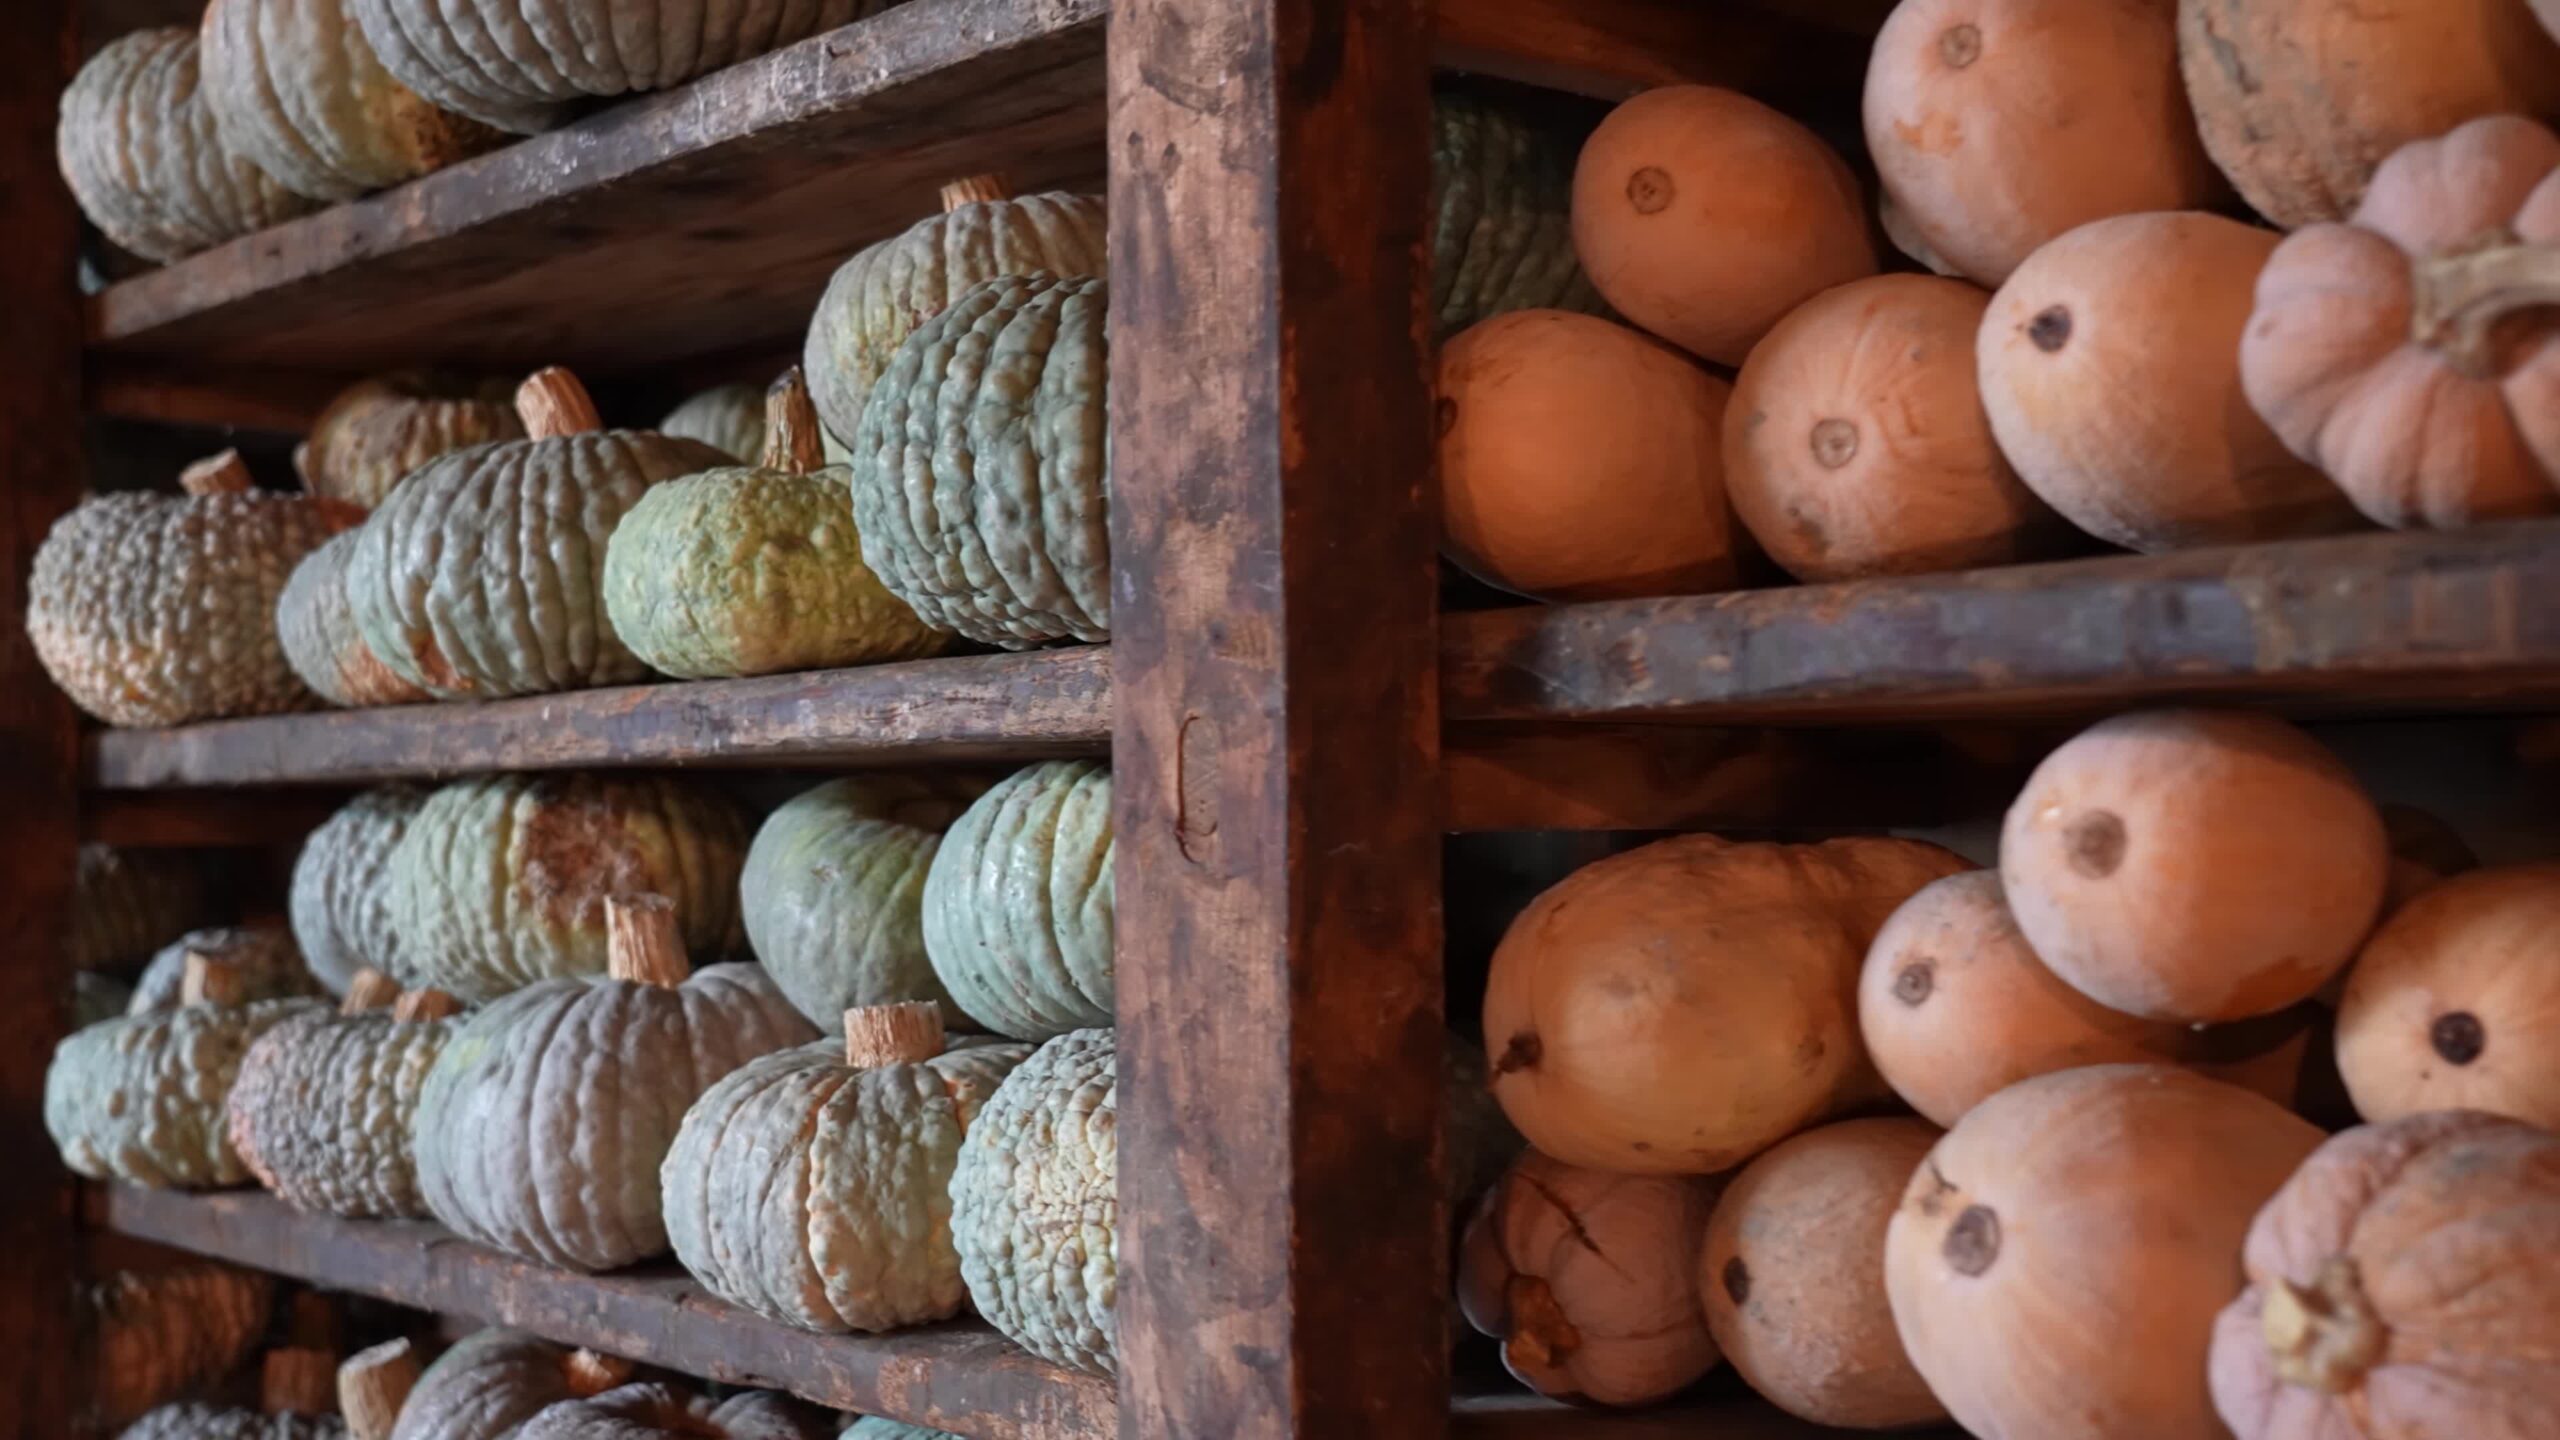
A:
728,418
340,898
754,570
322,1109
1997,125
654,1408
152,609
1017,903
483,573
2147,308
2414,354
2299,100
814,1185
543,1121
1501,215
376,431
502,881
1035,1211
833,892
317,629
141,152
2454,1004
261,960
159,1333
198,1420
2402,1283
125,904
494,1380
981,468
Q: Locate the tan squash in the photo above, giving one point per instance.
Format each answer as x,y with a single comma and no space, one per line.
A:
2058,1260
1580,460
376,431
318,631
2299,100
1997,125
1856,443
2455,1002
2110,367
1705,216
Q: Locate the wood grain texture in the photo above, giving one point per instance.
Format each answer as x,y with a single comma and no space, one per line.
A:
959,1377
1614,48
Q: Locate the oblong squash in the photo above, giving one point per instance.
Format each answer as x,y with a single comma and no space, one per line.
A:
296,89
2454,1004
374,432
1035,1208
1018,903
317,629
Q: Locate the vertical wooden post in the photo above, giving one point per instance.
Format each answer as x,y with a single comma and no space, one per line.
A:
39,479
1283,1241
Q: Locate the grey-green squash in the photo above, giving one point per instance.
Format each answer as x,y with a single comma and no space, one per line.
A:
753,570
262,961
322,1108
492,1381
157,1334
340,898
482,573
125,904
143,157
201,1420
545,1118
151,609
376,431
833,892
1017,903
874,1427
502,881
814,1185
652,1408
728,418
321,642
1501,215
1035,1209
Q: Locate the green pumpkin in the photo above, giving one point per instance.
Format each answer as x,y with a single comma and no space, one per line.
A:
140,1099
728,418
1501,216
873,1427
1035,1210
755,570
340,896
1017,904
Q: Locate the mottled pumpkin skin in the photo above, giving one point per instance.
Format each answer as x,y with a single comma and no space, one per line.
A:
197,1420
544,1120
270,965
321,642
1501,216
151,609
1035,1211
816,1193
485,1388
482,574
502,881
340,900
322,1108
1018,907
295,88
140,1099
376,431
125,904
981,470
159,1333
728,418
634,1412
143,157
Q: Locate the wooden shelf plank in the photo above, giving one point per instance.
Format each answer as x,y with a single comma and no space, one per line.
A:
1613,48
960,1377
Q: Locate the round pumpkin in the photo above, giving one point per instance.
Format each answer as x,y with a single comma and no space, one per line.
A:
201,1420
2194,865
2413,354
2454,1003
2058,1259
728,418
1017,903
1580,460
152,609
1997,125
2110,367
981,468
1035,1210
125,904
655,1408
2299,100
322,1109
317,629
1705,216
502,881
1589,1280
2402,1283
295,88
1789,1282
340,899
494,1380
261,962
141,153
1678,1008
374,432
1501,214
156,1334
1856,445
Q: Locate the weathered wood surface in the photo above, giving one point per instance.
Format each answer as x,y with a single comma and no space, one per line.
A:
203,819
1614,48
278,402
959,1377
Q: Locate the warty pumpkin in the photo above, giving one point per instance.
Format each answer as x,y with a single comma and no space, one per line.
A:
2058,1259
1788,1279
1580,460
151,609
322,1109
2194,865
653,1408
1035,1210
543,1121
322,644
374,432
2414,353
200,1420
1501,214
295,88
502,881
2299,100
1678,1008
1018,903
159,1333
2402,1283
260,963
125,904
728,418
2454,1004
1997,125
492,1381
340,897
142,155
1856,444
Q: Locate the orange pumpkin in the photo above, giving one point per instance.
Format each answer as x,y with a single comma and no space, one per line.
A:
2110,366
2402,1284
1856,445
1580,460
2300,100
2415,354
1790,1284
2455,1002
1705,216
2058,1260
1997,125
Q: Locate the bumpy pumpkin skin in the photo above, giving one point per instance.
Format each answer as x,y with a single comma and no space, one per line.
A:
376,431
1501,216
1018,903
636,1411
2437,1240
2300,100
981,469
502,881
2454,1003
728,418
1035,1210
486,1386
2058,1259
2421,427
143,157
125,904
321,643
270,966
322,1109
159,1333
197,1420
340,899
140,1099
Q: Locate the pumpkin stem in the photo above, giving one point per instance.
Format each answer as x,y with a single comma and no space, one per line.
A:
907,1033
2323,1336
370,990
972,190
300,1382
791,443
210,979
552,403
590,1373
419,1006
223,474
642,944
2459,299
373,1385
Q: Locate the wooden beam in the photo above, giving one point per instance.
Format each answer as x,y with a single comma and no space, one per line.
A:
1613,48
268,401
203,819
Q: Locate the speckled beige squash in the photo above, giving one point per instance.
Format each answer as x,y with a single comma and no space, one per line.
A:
376,431
295,87
728,418
1035,1209
160,1333
322,1109
494,1380
200,1420
340,899
655,1408
321,642
263,959
126,904
1017,903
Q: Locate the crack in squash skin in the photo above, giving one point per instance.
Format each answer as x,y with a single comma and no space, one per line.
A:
1018,916
322,1109
199,1420
140,1099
